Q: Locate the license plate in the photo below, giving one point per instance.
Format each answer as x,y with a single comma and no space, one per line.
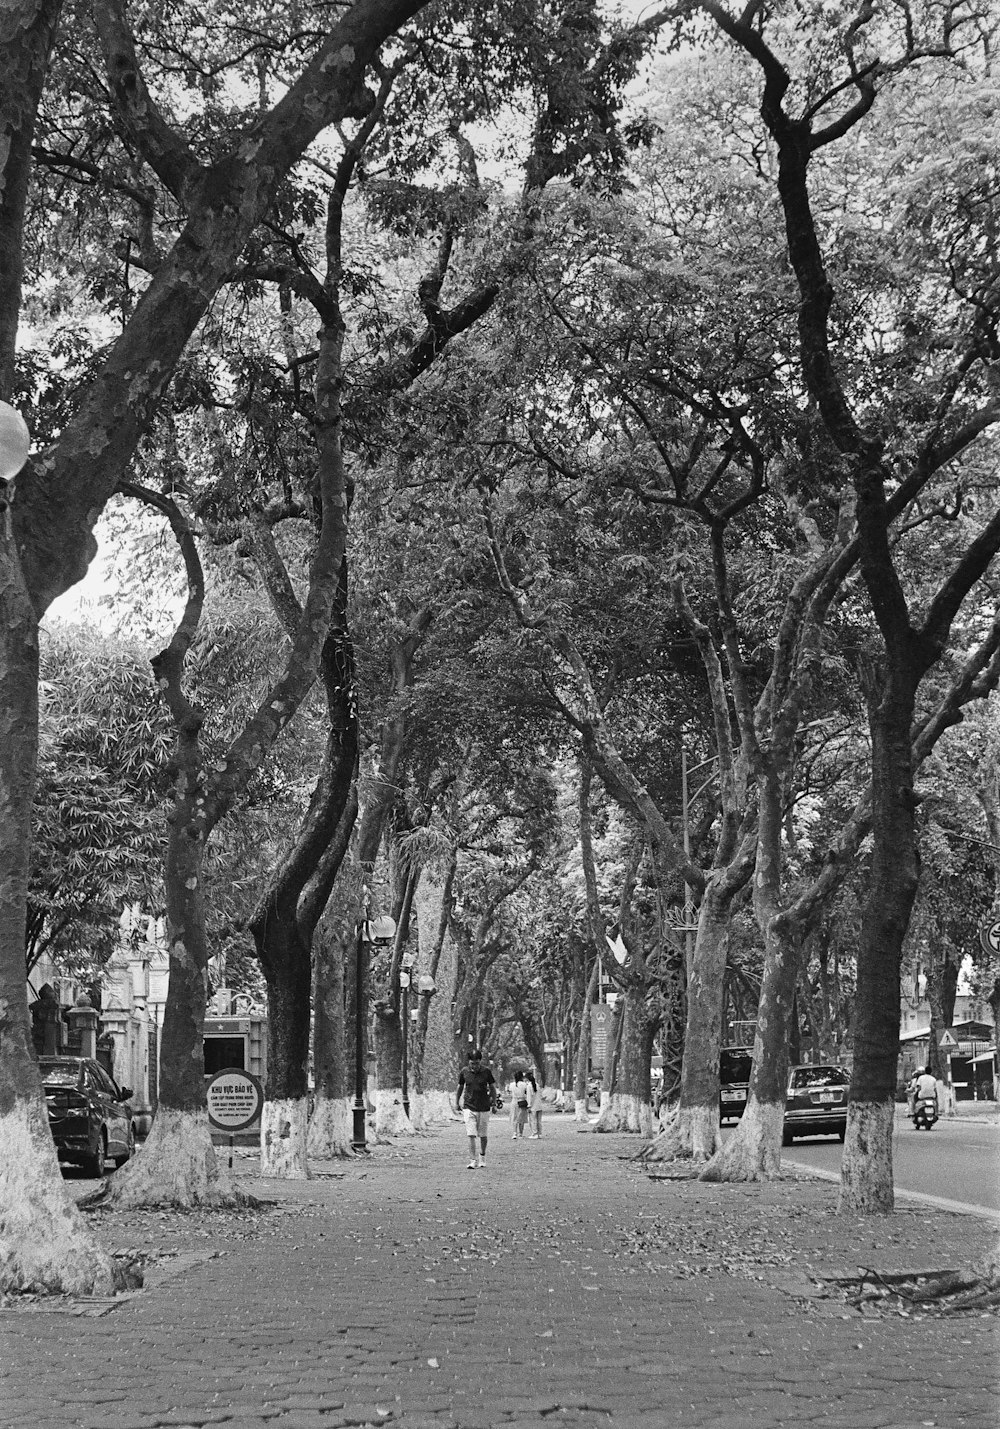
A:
730,1096
828,1096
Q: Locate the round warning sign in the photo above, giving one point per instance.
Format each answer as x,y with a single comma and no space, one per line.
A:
989,936
235,1098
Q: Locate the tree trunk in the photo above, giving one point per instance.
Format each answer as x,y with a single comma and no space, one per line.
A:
628,1106
44,1244
177,1165
698,1114
942,987
437,1055
866,1166
330,1127
286,959
283,928
390,1118
582,1074
753,1152
27,41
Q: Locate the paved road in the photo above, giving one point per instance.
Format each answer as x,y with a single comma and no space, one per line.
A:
559,1286
958,1160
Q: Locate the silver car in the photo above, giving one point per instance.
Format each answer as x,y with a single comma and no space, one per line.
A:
816,1103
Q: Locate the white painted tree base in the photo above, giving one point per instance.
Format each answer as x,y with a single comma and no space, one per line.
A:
428,1109
390,1118
753,1152
175,1166
580,1109
331,1129
866,1164
625,1114
444,1106
689,1134
45,1246
284,1126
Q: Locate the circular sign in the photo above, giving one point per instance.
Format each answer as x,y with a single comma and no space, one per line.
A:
989,936
234,1099
14,441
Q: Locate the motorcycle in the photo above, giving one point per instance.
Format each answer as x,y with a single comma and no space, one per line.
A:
925,1113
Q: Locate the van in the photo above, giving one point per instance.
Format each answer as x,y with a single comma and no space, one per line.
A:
734,1079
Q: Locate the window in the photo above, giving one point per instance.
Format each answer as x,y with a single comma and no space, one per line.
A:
101,1083
223,1052
61,1074
734,1065
820,1077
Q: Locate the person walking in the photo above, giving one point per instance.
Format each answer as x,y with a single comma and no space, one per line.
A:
522,1100
534,1108
911,1092
475,1098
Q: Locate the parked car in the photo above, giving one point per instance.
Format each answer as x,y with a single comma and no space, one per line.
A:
816,1103
734,1078
89,1113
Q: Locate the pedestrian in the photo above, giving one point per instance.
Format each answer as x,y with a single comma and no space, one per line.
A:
475,1098
522,1101
534,1108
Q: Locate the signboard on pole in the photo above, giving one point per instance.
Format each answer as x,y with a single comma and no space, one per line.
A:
948,1042
234,1099
600,1026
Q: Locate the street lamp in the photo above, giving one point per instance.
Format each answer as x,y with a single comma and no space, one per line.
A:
378,932
404,985
14,446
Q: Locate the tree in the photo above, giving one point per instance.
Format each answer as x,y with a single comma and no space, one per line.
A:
96,822
47,541
888,475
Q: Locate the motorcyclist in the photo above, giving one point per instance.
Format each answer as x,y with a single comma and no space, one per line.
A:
925,1088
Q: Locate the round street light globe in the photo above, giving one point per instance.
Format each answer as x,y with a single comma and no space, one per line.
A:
14,441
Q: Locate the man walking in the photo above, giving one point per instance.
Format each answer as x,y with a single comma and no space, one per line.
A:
475,1099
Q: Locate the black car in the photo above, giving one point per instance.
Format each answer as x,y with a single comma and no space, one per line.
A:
734,1078
89,1113
816,1102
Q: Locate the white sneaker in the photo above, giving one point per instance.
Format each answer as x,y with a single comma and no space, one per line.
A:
472,1166
534,1136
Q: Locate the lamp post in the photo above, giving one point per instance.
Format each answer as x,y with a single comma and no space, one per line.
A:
14,447
360,1140
404,986
379,932
14,442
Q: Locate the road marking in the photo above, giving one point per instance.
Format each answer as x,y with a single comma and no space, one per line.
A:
941,1203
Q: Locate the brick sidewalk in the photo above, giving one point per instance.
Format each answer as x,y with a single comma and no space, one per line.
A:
559,1286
